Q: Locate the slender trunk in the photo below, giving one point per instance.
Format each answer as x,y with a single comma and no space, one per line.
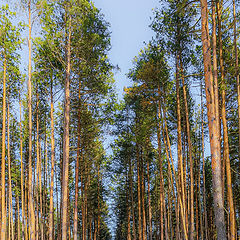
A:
10,210
213,128
82,197
3,183
77,166
225,130
22,172
51,209
149,203
215,70
203,169
66,137
144,228
98,217
162,207
167,143
139,195
132,200
30,185
18,220
128,208
179,144
236,71
190,156
200,201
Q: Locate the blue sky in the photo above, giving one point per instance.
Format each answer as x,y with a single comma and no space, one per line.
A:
129,21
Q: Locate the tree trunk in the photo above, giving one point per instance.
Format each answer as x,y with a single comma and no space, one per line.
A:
66,137
225,130
22,173
18,221
139,195
179,144
10,210
30,185
236,71
77,166
168,146
213,128
149,203
3,183
162,205
144,228
203,171
190,156
51,209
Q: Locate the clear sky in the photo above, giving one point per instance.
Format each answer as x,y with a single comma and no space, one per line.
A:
130,20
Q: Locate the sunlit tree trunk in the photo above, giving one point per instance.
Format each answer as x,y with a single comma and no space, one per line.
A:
3,183
66,137
189,141
168,146
149,202
236,71
51,209
225,130
77,166
31,210
18,221
10,210
203,169
213,128
22,174
162,200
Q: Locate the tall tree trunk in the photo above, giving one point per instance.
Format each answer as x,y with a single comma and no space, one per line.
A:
236,71
66,136
22,173
168,146
162,200
82,169
3,183
77,166
18,221
144,228
51,209
139,195
99,212
149,203
190,155
10,210
132,202
225,130
128,208
30,185
179,145
213,128
203,169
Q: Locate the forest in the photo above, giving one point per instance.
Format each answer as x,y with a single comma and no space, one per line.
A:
79,163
